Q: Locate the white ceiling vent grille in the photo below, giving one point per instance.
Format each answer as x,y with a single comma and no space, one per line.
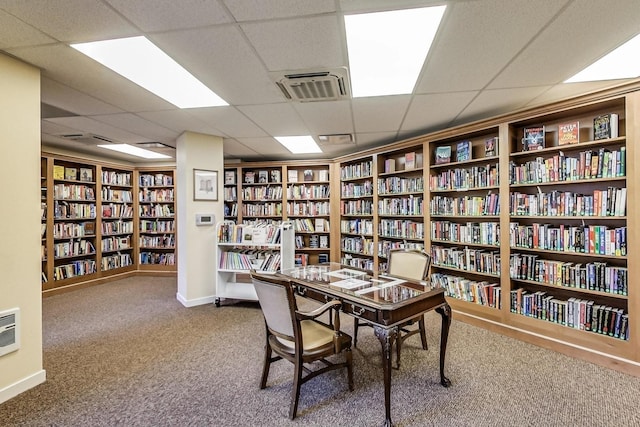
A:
87,138
313,86
336,139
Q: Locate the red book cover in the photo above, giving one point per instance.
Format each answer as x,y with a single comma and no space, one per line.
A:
569,133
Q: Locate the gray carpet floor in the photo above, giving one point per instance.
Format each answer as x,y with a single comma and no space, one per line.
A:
128,353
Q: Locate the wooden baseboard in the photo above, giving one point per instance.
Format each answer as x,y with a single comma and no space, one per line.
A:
626,366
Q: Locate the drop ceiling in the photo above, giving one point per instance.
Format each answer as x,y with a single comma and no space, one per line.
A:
489,57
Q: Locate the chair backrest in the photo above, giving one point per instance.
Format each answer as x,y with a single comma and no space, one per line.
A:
277,302
409,263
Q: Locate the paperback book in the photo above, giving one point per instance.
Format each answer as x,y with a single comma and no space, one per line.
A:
491,147
229,177
605,126
463,151
569,133
533,138
443,154
410,160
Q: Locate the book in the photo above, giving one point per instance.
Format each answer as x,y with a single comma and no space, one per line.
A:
605,126
71,173
58,172
274,175
319,225
292,175
324,241
263,177
86,174
491,146
463,151
533,138
322,258
443,154
569,133
410,160
229,177
249,177
308,175
389,165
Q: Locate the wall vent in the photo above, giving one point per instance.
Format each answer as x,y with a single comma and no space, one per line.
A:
313,86
9,331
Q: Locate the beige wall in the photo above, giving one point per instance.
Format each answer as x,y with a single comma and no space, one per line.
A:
20,222
197,244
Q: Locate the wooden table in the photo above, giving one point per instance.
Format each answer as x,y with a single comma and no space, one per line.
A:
383,301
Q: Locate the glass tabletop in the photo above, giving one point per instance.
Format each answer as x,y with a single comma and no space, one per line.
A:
356,283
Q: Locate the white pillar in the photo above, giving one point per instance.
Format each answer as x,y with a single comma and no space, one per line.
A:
196,244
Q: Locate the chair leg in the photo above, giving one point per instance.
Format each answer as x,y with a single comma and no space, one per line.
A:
295,393
349,357
423,333
267,365
356,323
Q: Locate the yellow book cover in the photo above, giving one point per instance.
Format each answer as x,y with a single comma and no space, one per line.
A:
58,172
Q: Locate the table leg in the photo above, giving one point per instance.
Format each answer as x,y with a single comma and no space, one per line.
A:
445,312
387,338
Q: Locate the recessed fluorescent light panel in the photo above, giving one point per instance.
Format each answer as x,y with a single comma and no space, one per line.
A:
622,63
134,151
387,49
299,144
142,62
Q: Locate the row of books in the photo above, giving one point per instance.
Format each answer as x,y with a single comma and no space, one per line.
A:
356,207
315,241
609,202
230,194
117,211
72,173
362,189
255,234
114,261
463,179
155,211
468,259
65,230
248,260
66,210
464,151
116,243
73,269
308,208
478,292
411,205
401,229
263,209
315,191
164,195
116,178
122,196
575,313
262,193
308,225
605,126
594,276
73,248
357,226
356,170
117,227
396,184
166,241
157,226
592,239
359,245
157,258
231,209
73,192
479,233
384,246
356,262
466,205
560,168
156,180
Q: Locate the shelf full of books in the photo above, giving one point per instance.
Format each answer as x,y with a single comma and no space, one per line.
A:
157,220
230,196
262,193
242,247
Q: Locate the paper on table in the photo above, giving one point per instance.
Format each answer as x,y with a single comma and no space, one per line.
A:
350,283
345,272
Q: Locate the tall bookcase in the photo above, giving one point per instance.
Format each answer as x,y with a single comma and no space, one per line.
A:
157,224
357,206
230,197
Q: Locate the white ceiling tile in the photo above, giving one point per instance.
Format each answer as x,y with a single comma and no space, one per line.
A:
71,20
431,112
162,15
362,6
50,128
298,44
69,99
267,148
379,114
229,120
221,58
326,117
86,124
152,131
570,43
180,121
235,148
276,119
251,10
471,47
16,33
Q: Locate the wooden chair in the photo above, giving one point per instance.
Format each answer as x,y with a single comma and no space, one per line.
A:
298,336
411,264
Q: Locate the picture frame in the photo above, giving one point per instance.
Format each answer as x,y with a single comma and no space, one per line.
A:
205,185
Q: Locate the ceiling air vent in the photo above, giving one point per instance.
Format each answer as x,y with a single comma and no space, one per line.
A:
88,138
336,139
313,86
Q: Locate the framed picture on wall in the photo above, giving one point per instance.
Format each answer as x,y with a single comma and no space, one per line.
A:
205,185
